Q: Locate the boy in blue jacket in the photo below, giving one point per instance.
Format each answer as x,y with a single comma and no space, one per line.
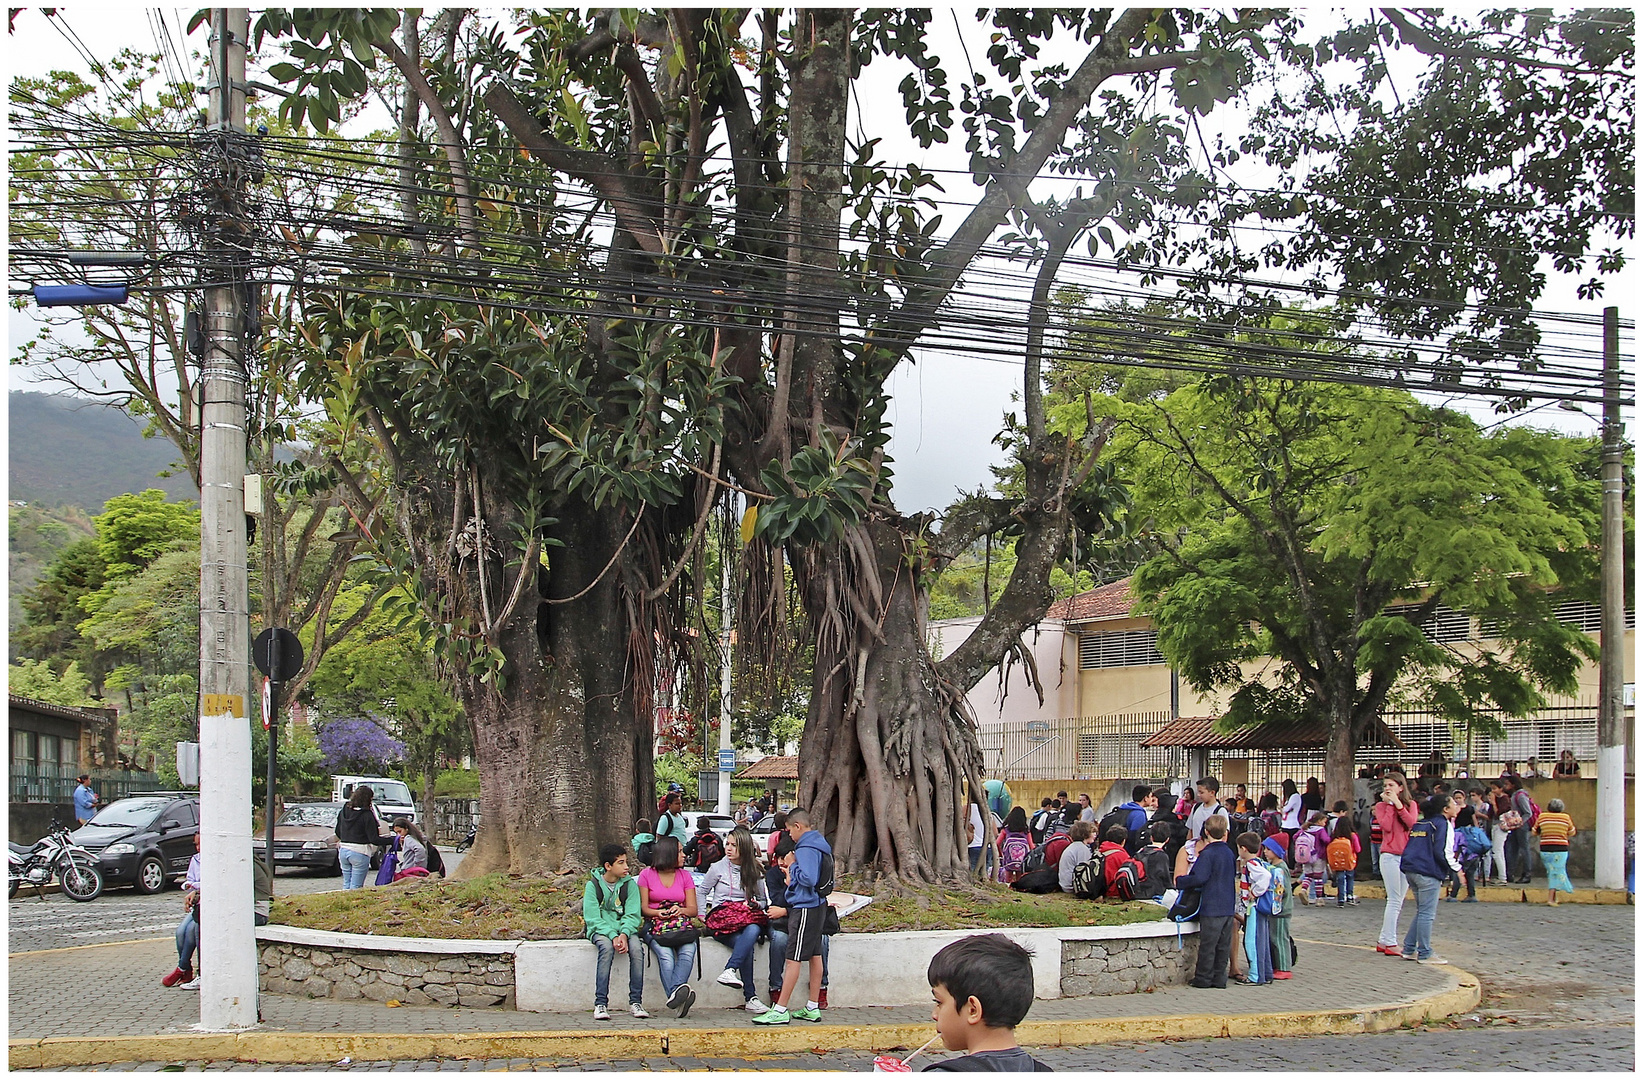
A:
610,918
810,878
1214,874
1429,857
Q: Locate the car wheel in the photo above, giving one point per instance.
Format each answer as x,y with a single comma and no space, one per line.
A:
151,875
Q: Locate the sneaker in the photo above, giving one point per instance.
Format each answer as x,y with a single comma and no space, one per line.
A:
1432,960
807,1013
1470,900
1352,901
177,975
1407,956
1281,974
601,1013
192,984
675,998
690,999
822,998
754,1005
774,1016
637,1011
729,978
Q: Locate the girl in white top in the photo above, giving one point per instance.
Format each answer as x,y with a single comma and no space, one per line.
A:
1292,810
738,878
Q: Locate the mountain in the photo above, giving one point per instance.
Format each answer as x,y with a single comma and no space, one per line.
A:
78,452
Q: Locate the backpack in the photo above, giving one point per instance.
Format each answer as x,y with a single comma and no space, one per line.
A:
1306,847
1476,840
1014,849
1042,880
1089,879
1156,872
1116,816
642,853
708,849
824,875
1535,809
1340,855
1038,824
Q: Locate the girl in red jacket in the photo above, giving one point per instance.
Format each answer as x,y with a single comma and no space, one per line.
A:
1395,813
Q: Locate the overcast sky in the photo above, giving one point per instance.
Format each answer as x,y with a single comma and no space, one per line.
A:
946,406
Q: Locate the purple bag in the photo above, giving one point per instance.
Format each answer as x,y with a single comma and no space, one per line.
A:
386,874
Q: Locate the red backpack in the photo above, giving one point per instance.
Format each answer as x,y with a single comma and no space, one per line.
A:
1122,872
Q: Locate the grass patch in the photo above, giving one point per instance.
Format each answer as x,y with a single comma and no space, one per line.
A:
503,907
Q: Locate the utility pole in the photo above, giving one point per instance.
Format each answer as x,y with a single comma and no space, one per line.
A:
1609,852
727,760
228,988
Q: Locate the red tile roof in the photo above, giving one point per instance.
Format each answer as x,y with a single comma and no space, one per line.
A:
1195,731
771,768
1107,602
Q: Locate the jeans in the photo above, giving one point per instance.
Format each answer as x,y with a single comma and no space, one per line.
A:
1471,867
1418,940
1375,860
674,965
779,945
1344,886
1518,854
742,958
354,868
188,941
1393,877
602,969
1215,948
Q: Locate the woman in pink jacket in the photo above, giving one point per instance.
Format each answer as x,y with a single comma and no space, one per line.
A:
1395,813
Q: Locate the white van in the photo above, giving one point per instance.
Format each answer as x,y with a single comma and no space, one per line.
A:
391,797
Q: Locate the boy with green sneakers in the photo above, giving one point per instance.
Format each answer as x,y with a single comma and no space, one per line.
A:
809,872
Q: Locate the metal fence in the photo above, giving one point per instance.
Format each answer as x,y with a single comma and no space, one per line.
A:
46,783
1105,747
1077,748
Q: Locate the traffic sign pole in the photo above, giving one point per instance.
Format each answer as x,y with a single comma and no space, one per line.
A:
279,655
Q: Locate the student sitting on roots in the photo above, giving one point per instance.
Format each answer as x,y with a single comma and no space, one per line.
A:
982,987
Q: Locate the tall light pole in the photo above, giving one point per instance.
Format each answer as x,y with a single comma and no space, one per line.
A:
228,988
1609,833
727,754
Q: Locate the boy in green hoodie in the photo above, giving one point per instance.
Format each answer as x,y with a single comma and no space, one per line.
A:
610,916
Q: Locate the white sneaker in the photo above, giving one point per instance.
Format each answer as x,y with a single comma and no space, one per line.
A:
729,978
601,1013
1432,960
192,984
754,1005
638,1011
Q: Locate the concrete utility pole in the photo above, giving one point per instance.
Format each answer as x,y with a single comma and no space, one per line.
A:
228,947
1609,851
727,551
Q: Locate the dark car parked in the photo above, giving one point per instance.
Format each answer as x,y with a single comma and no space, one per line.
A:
144,840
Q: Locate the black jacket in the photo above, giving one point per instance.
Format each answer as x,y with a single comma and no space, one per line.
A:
1215,876
359,827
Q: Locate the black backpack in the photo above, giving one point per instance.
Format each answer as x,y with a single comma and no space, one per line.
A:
1042,880
824,875
1090,879
1116,816
642,853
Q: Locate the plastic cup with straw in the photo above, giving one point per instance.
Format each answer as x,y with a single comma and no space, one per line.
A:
889,1063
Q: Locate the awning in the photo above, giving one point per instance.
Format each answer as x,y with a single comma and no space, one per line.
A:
1200,731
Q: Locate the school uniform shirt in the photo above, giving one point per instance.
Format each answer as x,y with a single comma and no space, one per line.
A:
1076,852
1213,874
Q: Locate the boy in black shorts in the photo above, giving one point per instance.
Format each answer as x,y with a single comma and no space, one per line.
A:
810,879
983,987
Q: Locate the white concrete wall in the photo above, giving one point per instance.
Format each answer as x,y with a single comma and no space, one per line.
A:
989,700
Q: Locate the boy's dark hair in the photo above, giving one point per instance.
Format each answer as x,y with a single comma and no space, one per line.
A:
642,825
1047,801
1160,832
784,844
1209,783
1250,842
990,968
1118,834
1163,795
1340,807
1140,792
1434,806
610,853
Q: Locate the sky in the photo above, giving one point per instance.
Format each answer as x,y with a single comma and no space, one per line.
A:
947,405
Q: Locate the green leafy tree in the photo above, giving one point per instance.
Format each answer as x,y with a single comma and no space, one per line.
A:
1309,532
38,680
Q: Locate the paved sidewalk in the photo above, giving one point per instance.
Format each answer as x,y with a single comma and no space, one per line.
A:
114,992
1586,892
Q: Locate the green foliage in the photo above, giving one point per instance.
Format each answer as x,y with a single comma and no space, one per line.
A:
823,489
678,767
38,680
457,783
134,530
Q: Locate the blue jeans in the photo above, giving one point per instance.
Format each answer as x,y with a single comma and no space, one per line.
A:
674,965
1344,885
779,945
602,969
1418,940
742,958
188,941
354,868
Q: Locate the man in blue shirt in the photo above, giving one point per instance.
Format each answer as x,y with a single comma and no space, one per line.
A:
85,800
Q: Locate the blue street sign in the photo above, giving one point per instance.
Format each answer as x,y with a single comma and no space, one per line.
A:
727,761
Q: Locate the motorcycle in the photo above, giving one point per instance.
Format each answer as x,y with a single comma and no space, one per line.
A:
55,855
468,841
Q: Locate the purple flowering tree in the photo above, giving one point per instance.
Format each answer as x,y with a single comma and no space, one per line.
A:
358,745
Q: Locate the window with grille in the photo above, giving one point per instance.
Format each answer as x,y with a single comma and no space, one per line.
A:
1119,648
1588,618
1444,624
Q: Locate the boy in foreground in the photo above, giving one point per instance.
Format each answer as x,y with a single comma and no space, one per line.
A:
611,919
982,987
810,877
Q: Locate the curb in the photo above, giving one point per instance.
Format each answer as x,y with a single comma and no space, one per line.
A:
1517,894
298,1047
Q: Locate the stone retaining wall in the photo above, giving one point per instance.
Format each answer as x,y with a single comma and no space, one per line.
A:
1127,966
451,819
471,980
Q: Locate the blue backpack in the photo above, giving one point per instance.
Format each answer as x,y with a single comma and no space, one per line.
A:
1475,840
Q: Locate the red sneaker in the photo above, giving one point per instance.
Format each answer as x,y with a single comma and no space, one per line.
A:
180,975
822,999
1281,974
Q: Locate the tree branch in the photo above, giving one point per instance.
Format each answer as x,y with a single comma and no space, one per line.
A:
450,141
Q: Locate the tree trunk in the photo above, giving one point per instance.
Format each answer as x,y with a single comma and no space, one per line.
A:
1338,753
888,750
